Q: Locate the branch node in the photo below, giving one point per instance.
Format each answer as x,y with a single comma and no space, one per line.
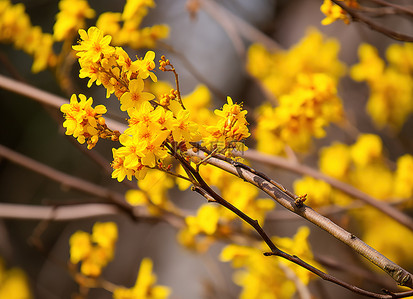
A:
299,200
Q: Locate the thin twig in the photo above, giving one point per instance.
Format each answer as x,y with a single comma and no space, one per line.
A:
229,27
374,26
396,7
242,27
46,98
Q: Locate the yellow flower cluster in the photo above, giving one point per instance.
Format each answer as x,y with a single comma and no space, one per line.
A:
362,165
266,277
71,18
144,287
84,122
14,283
391,86
230,130
305,87
153,122
153,192
16,28
94,251
334,12
130,32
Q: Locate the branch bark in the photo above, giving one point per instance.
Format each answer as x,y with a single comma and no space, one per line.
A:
399,274
387,209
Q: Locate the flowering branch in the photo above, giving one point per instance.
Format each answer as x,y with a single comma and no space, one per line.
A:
201,187
400,275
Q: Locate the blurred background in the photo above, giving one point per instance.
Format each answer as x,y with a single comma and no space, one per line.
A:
35,131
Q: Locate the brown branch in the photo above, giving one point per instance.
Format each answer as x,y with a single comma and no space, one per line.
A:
242,27
396,7
46,98
349,190
374,26
400,275
205,190
221,18
62,213
67,180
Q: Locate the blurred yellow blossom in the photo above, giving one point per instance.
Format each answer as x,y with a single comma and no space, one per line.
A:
386,235
144,287
318,192
335,160
94,251
306,90
206,220
334,12
403,180
16,28
261,276
105,234
366,150
71,18
391,86
14,283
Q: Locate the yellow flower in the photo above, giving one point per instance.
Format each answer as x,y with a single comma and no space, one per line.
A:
374,174
370,66
300,246
146,65
14,283
400,56
206,220
136,8
318,192
153,151
366,150
141,116
93,45
301,114
333,13
94,251
403,177
80,246
108,22
230,130
385,234
335,160
71,18
184,129
261,277
130,149
391,87
81,119
144,287
135,96
105,234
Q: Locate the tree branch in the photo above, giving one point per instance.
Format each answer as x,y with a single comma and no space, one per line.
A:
373,26
387,209
399,274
